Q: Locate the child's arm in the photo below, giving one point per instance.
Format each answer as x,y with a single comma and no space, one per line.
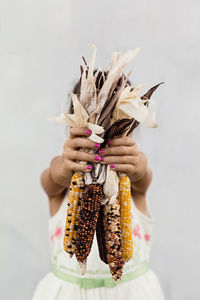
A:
140,187
56,178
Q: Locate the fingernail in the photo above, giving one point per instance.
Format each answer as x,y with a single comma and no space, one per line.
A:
97,157
112,165
89,167
102,158
88,131
101,151
109,142
97,145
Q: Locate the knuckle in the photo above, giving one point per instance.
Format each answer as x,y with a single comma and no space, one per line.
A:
64,153
129,140
133,141
123,149
76,142
73,166
122,168
64,146
71,130
108,151
68,143
81,167
135,148
123,159
135,160
67,164
76,154
126,150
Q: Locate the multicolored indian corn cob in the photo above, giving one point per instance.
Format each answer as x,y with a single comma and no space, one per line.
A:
75,193
113,239
100,234
89,212
125,216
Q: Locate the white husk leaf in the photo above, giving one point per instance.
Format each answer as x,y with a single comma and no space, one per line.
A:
81,116
88,95
118,63
64,119
111,185
95,138
126,96
80,119
96,128
136,109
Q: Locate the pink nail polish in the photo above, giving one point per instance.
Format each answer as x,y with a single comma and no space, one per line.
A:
97,145
101,151
88,131
89,167
112,165
97,157
102,158
109,142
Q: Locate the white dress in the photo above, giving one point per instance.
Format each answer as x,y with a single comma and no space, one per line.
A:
65,282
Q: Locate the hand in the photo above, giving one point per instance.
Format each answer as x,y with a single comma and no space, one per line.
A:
122,155
78,139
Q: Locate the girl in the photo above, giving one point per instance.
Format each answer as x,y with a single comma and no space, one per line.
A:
65,281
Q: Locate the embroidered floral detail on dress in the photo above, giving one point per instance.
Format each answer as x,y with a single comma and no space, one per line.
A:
58,232
136,231
147,237
52,238
56,242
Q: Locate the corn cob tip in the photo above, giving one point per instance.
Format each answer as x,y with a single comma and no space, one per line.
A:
82,265
116,278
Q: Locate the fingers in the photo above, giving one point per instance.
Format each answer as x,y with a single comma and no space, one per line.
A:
84,156
125,168
76,131
119,150
133,160
80,167
123,141
80,142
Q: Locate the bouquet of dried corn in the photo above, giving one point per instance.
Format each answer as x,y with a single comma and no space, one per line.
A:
101,200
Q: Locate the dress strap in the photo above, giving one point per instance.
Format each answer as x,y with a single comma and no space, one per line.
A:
61,208
149,218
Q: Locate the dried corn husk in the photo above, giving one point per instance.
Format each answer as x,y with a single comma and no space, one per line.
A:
110,187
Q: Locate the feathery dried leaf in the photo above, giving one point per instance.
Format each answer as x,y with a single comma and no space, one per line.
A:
114,73
150,92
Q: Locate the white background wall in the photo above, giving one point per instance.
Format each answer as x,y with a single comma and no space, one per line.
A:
41,47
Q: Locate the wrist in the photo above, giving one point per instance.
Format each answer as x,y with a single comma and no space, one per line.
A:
142,169
58,172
